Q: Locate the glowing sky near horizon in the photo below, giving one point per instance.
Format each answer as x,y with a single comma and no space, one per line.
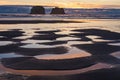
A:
65,3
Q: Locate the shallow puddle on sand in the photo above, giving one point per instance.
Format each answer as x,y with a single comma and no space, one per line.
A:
116,54
114,44
79,42
9,55
35,41
4,43
36,46
67,38
97,38
1,36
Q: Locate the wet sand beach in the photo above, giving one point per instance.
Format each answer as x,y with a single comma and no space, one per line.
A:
61,50
28,21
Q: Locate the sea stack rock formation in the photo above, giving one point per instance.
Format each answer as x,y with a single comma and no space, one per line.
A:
57,10
37,10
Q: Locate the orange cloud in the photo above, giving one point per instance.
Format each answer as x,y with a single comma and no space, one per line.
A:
9,3
83,5
76,5
111,6
4,2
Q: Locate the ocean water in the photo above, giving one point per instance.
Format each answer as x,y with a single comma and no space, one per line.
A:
23,11
58,50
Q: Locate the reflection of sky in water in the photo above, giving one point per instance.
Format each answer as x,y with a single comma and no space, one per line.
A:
114,44
66,31
1,36
35,41
109,24
65,28
116,54
36,46
3,43
9,55
67,38
96,38
79,42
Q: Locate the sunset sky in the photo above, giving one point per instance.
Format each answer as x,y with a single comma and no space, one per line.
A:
66,3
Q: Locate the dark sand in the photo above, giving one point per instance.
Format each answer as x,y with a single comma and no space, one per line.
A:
100,50
10,34
30,63
36,21
55,43
47,36
104,34
47,32
9,76
41,51
32,51
102,74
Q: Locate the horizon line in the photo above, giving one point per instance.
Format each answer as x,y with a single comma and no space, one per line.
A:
61,7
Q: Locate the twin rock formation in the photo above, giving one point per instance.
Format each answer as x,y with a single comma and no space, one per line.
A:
41,10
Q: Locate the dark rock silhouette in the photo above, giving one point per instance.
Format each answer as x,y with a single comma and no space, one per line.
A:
57,10
37,10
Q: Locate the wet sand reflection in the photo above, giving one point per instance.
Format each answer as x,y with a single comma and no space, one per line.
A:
47,53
